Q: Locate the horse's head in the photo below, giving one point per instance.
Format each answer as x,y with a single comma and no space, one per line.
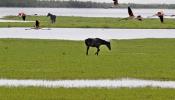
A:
48,14
108,44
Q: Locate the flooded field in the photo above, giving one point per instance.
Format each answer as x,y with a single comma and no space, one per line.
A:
83,33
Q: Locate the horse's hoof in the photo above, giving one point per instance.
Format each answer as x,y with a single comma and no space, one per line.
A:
95,53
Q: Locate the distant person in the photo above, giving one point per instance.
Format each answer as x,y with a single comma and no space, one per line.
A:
37,24
130,12
161,16
132,16
23,15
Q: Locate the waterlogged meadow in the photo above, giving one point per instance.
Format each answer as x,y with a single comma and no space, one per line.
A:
64,60
58,59
91,22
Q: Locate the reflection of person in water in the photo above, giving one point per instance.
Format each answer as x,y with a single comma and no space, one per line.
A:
37,24
161,16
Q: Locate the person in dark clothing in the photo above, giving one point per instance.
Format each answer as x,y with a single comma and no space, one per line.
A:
130,13
37,23
161,16
23,17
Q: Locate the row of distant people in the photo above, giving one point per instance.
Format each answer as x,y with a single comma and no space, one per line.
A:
37,23
23,16
160,14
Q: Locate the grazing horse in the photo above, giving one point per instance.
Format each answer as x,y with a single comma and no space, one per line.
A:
96,42
52,17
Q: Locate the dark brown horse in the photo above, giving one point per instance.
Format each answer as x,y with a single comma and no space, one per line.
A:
52,17
96,42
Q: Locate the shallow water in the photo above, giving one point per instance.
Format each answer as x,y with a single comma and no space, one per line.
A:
84,12
83,33
126,82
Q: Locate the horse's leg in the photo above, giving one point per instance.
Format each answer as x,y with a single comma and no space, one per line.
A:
54,20
51,20
98,50
87,50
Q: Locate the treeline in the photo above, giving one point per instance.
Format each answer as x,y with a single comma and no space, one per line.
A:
18,3
166,6
72,4
52,3
75,4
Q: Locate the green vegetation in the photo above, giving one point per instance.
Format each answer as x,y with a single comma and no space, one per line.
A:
95,22
56,59
86,94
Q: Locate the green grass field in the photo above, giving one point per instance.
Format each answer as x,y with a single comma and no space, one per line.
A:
91,22
57,59
86,94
